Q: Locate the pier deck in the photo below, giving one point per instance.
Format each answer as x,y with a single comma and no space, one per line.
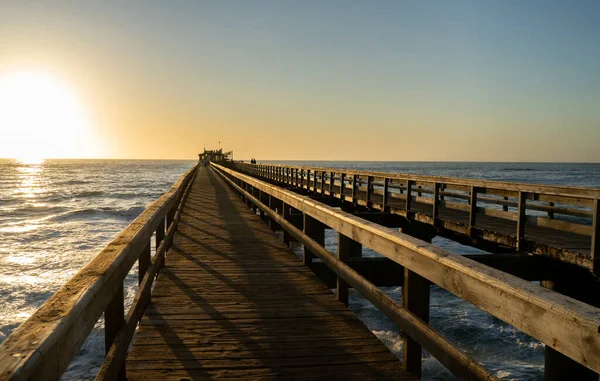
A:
234,302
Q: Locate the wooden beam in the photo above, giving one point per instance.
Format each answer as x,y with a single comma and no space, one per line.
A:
473,210
521,221
143,262
415,298
315,230
114,319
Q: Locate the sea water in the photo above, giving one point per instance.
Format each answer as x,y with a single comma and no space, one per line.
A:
56,215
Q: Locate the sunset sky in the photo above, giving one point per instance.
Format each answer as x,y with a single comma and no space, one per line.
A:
329,80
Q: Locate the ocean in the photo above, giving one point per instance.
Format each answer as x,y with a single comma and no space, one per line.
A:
56,215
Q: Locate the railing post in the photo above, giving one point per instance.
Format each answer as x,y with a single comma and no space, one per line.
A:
160,234
347,248
143,263
409,184
286,214
272,204
473,210
550,213
558,367
436,202
386,184
596,237
342,186
315,230
505,207
331,179
415,298
369,191
354,188
114,319
261,212
521,219
308,180
322,182
170,218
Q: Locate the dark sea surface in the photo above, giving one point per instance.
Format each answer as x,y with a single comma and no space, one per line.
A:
55,216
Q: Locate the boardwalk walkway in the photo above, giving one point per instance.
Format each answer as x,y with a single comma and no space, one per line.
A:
233,302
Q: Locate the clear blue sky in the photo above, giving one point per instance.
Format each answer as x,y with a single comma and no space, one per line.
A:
404,80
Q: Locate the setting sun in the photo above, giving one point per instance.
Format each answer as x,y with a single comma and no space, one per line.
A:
40,117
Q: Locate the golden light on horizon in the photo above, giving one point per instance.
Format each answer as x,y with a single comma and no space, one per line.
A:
40,117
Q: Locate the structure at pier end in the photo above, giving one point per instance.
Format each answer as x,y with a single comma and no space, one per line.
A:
215,156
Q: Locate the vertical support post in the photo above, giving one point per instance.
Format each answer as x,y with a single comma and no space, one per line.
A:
354,187
386,184
550,213
522,217
315,230
261,199
347,248
143,263
160,232
286,214
114,319
436,202
322,183
596,237
342,181
331,180
505,207
415,298
558,367
272,224
369,191
308,180
473,210
409,184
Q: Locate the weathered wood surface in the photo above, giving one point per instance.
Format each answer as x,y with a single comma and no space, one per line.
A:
234,303
553,232
565,324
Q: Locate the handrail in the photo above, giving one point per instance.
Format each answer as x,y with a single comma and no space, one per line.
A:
560,322
43,346
585,192
573,210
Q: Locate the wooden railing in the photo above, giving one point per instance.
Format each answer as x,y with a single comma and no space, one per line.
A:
43,346
465,206
562,323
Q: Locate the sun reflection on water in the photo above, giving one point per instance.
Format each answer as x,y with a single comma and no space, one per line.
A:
29,179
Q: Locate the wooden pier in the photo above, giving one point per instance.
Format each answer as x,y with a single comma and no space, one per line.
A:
235,302
223,298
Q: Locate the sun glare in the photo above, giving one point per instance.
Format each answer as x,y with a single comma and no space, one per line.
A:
40,117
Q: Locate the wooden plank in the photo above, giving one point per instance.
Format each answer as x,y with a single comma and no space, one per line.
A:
234,302
526,306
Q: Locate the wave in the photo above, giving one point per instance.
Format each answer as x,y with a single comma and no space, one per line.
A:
35,211
99,214
516,169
